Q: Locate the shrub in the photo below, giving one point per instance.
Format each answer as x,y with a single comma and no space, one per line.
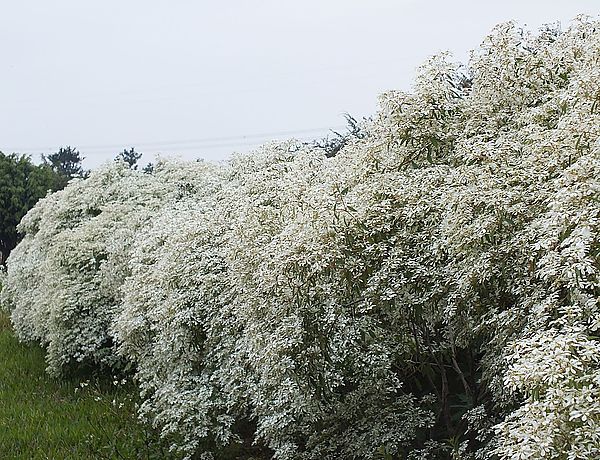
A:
431,291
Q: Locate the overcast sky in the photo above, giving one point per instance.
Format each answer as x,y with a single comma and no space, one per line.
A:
202,79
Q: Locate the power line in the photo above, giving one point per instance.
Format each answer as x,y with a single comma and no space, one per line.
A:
199,148
207,142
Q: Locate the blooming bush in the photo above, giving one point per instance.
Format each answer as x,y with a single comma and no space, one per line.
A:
63,283
431,291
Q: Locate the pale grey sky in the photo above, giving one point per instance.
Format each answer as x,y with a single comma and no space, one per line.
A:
206,78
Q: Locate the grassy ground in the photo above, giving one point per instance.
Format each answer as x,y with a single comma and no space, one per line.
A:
44,418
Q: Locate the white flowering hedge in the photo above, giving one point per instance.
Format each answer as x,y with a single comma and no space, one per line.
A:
430,292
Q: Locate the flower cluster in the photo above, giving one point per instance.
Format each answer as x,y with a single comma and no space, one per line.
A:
431,291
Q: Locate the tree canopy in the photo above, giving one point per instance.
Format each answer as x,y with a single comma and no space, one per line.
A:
130,157
66,163
22,184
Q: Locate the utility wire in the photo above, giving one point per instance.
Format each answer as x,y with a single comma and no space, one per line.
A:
207,142
199,148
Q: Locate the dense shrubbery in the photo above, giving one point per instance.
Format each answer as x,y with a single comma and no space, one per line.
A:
22,184
64,278
431,291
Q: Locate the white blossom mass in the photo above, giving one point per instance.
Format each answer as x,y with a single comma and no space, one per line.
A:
430,291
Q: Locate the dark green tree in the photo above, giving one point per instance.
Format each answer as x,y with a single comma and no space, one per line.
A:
66,163
333,144
22,184
130,157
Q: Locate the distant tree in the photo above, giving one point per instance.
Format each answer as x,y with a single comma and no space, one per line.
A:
66,163
22,184
130,157
333,144
149,168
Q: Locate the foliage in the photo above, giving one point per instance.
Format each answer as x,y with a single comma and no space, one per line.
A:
21,185
332,145
130,157
81,235
429,291
66,163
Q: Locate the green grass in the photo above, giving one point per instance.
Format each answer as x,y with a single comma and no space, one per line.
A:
46,418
